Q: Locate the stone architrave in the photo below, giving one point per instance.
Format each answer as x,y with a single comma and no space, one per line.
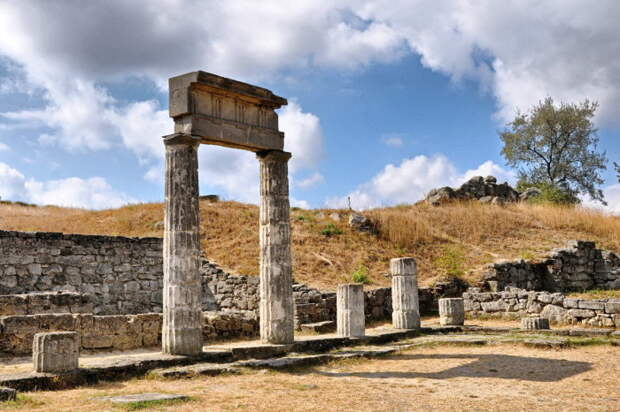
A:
405,304
451,311
276,279
211,109
182,292
350,310
56,352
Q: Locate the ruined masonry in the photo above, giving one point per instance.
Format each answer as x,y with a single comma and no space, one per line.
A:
214,110
405,301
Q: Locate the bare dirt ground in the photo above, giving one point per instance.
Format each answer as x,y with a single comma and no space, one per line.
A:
494,377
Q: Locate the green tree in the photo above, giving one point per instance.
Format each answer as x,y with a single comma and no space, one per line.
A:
617,166
556,147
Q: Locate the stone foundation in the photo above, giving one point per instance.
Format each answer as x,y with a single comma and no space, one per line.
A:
116,332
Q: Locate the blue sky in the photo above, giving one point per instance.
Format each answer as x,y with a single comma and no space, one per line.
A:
387,99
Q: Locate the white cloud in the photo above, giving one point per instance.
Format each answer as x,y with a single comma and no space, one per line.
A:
489,168
310,181
91,193
410,181
4,147
612,196
303,137
392,139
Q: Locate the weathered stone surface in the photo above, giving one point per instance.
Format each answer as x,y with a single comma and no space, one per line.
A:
451,311
144,397
554,313
225,112
405,301
361,223
534,323
350,310
56,352
7,394
276,279
182,299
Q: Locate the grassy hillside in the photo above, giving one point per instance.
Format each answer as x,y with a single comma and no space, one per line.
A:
451,238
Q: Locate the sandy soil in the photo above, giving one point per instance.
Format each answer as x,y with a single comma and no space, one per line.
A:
497,377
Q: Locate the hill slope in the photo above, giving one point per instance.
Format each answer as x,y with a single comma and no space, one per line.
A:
443,239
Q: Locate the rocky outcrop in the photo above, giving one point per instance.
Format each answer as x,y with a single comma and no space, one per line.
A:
485,190
361,223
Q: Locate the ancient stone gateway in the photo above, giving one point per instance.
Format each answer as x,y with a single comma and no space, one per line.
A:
209,109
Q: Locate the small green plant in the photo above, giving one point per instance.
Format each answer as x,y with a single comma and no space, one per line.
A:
331,230
360,275
452,261
527,255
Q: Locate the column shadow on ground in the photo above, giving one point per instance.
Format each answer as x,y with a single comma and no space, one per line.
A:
482,366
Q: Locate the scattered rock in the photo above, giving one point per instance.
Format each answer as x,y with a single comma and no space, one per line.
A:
361,223
529,194
336,217
7,394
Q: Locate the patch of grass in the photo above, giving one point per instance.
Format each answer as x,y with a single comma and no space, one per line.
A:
361,275
22,402
136,406
452,261
331,230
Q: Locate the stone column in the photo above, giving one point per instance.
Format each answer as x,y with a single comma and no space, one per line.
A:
405,304
276,278
350,310
182,326
451,311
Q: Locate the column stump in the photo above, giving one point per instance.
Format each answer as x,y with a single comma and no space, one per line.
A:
351,322
405,303
451,311
56,352
534,323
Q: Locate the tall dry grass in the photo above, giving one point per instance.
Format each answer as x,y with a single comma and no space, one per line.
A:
229,234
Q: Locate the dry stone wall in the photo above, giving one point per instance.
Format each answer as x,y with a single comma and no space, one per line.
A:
579,266
556,307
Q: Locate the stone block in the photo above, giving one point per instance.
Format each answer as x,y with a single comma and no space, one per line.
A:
571,303
591,304
534,323
7,394
56,352
613,307
580,313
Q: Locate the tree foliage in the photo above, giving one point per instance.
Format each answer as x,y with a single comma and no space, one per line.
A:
556,148
617,166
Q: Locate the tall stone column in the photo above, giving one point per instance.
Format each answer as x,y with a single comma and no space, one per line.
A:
276,279
182,326
405,304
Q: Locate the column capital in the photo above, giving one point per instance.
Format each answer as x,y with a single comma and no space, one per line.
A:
273,155
403,267
181,138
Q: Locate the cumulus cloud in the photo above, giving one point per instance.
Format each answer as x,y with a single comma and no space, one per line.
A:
91,193
410,181
311,181
612,196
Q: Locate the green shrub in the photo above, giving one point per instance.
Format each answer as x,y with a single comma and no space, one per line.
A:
549,193
360,275
331,230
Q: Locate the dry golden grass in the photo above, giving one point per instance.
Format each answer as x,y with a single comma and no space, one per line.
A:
493,377
481,234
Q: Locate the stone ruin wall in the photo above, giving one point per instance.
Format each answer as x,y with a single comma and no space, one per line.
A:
577,267
110,289
517,303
